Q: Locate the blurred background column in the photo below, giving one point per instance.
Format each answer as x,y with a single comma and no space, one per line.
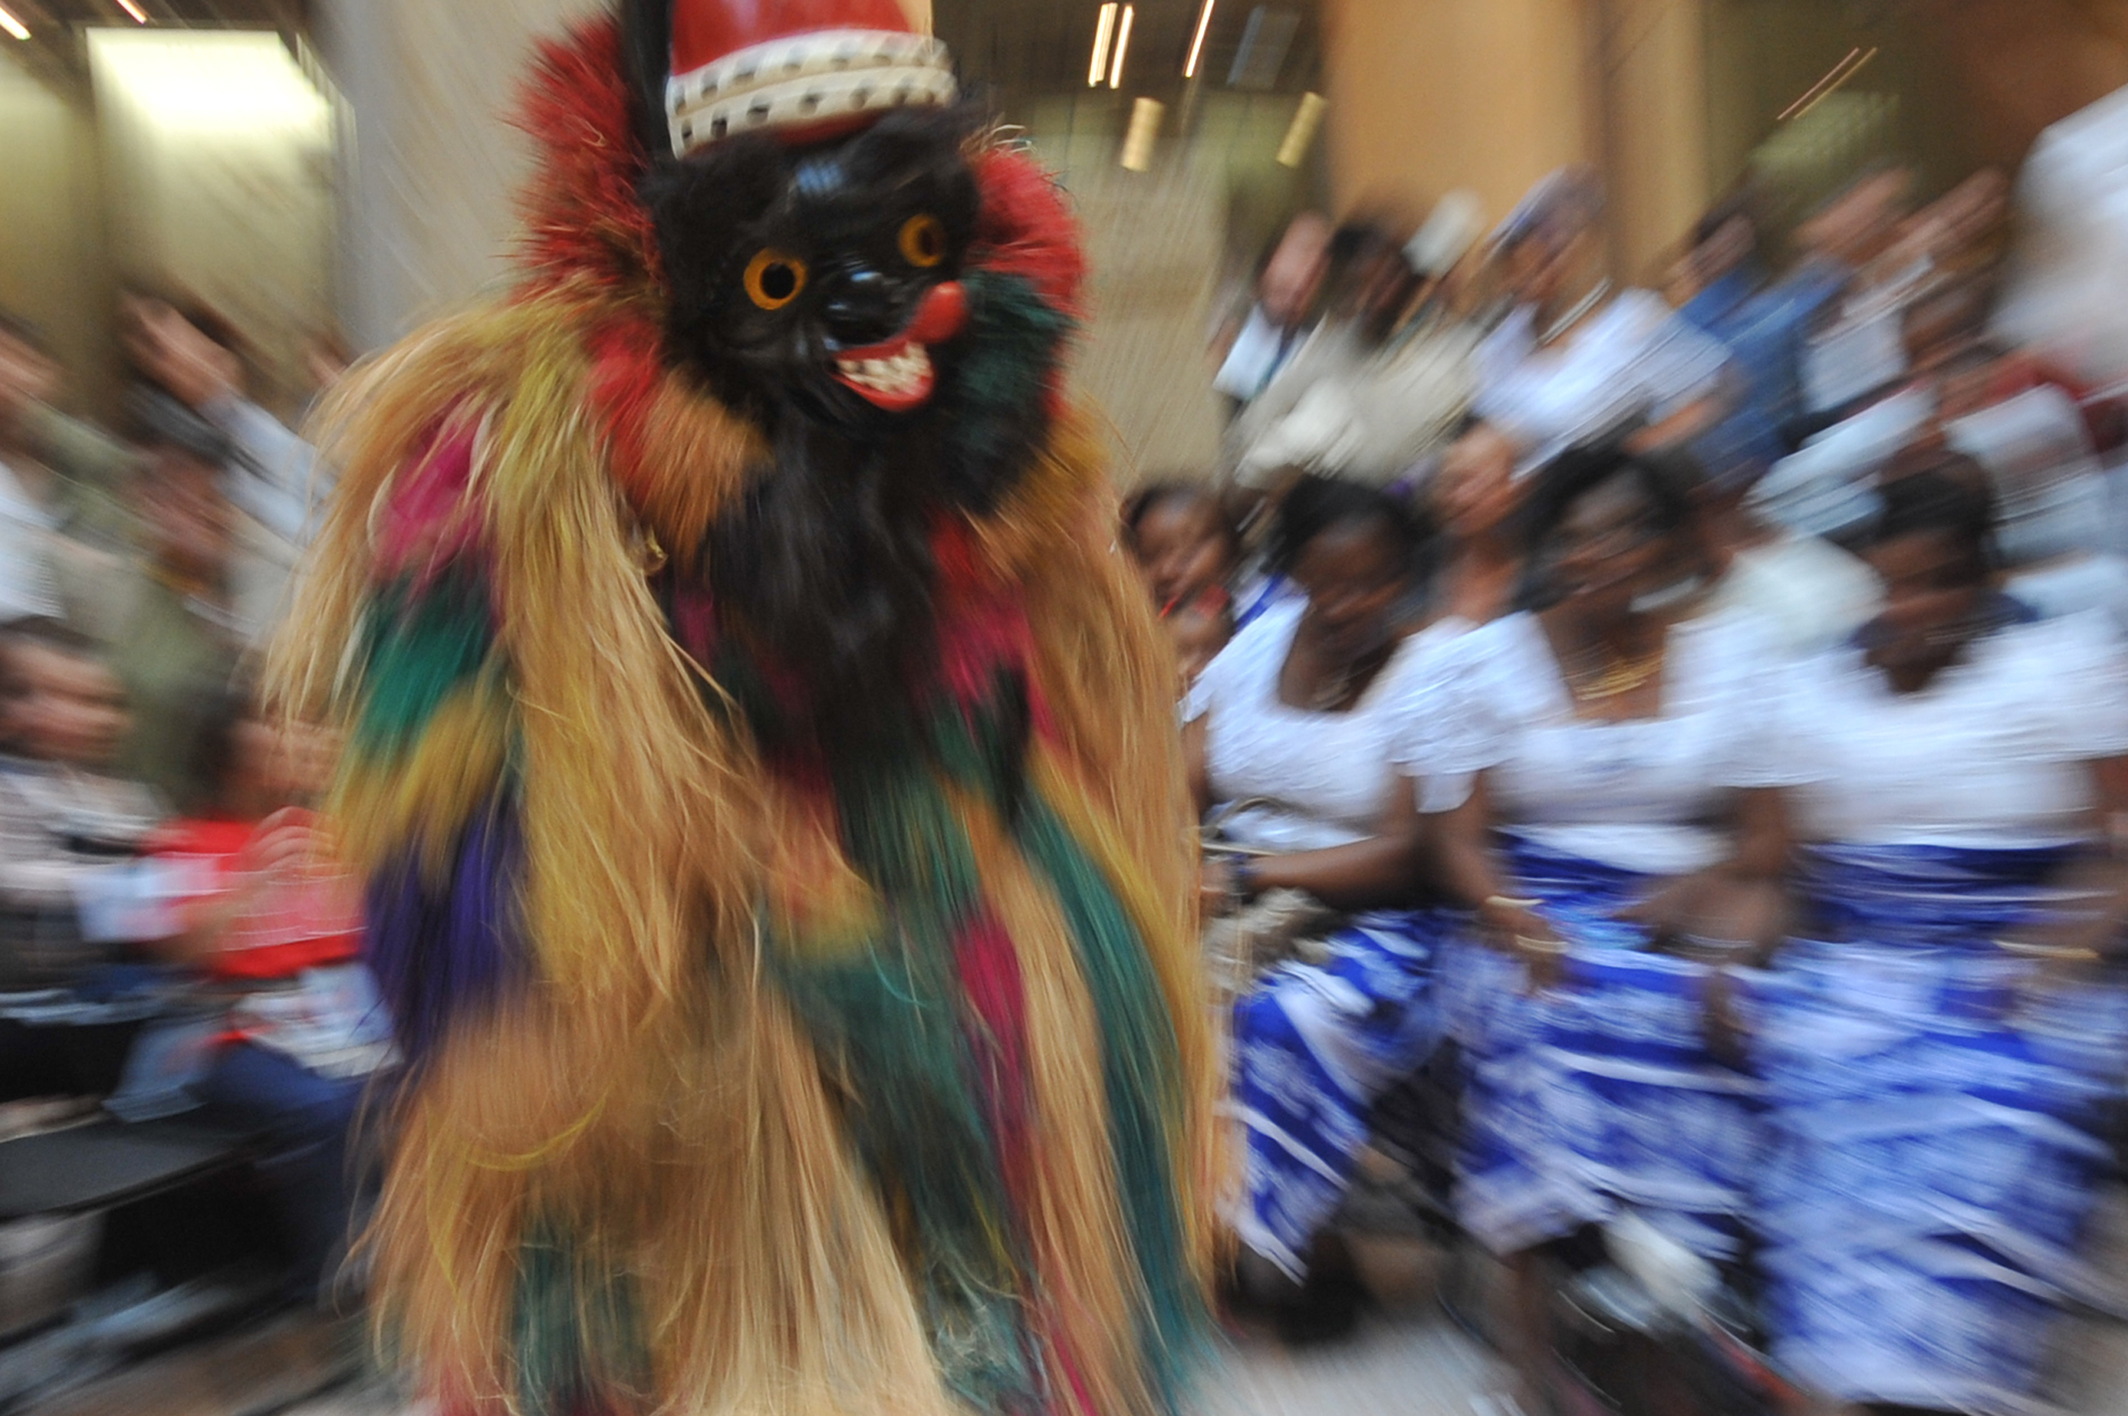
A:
431,162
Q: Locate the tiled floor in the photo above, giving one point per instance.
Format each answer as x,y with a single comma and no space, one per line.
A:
1407,1360
1400,1365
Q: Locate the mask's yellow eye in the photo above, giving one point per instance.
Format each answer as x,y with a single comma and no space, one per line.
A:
923,241
774,279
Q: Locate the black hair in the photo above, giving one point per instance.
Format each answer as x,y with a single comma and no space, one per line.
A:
1316,504
25,332
215,717
1148,499
1669,482
1740,205
1949,496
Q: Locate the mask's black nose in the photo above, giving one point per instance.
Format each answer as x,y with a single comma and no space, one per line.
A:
863,306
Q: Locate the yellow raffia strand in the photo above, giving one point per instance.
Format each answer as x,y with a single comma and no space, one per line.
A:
1074,1216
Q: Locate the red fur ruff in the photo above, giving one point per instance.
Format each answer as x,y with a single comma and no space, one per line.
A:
582,216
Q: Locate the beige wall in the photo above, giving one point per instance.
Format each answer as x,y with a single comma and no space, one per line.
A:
427,216
53,267
1428,95
1657,129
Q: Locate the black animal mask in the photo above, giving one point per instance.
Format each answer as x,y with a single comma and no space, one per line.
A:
824,277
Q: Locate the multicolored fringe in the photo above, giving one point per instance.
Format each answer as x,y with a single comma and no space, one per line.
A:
742,1089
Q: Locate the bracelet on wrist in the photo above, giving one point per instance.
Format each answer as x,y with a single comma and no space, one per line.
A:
1244,878
2053,953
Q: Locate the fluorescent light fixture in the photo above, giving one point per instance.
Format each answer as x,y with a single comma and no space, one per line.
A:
13,26
1104,31
1204,23
1835,79
1115,72
1144,127
226,81
140,16
1306,119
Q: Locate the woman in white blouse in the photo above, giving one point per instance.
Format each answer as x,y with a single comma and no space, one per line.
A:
1577,360
1936,1042
1616,841
1291,730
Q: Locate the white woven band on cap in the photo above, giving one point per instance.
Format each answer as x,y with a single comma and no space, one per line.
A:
806,78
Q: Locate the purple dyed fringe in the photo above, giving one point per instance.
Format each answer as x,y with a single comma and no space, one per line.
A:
434,956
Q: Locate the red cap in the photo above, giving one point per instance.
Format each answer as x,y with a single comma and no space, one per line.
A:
795,67
704,31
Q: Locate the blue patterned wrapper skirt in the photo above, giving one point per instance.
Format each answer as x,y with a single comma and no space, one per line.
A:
1933,1129
1598,1095
1314,1046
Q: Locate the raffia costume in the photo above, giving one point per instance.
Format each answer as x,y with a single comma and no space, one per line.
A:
781,1039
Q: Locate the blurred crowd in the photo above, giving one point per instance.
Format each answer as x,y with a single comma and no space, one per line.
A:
174,939
1662,756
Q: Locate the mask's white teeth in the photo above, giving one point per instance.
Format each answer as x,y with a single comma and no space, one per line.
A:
899,375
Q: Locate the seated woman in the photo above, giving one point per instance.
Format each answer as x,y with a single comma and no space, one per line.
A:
1611,817
1293,727
1188,552
1936,1049
274,926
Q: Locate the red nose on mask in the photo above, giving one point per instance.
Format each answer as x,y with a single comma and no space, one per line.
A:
941,315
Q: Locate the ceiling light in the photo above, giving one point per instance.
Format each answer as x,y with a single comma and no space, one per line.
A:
1104,30
1204,23
1306,119
1144,127
13,26
1115,72
140,16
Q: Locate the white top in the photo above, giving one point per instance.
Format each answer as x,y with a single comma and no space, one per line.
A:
1635,358
26,584
1807,592
1640,795
1324,778
1991,754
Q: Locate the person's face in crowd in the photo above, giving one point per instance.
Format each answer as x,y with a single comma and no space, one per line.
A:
1966,387
1609,550
1941,328
1355,580
1182,549
1549,269
1971,211
1386,288
283,763
1474,493
1856,227
187,516
1732,243
1294,275
65,707
27,378
1198,635
1932,597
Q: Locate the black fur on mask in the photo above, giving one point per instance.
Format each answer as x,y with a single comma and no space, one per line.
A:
822,571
